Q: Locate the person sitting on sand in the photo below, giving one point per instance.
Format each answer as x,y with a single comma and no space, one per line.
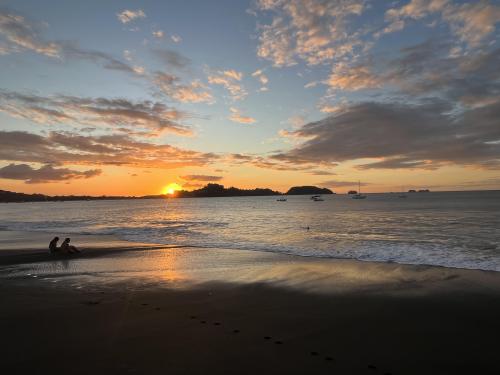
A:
67,248
53,245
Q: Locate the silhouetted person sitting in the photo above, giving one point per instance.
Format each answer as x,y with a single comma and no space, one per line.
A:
67,248
53,245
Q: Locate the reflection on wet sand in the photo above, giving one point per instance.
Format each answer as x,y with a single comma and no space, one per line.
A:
185,267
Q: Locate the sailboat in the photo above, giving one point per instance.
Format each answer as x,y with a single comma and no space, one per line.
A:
359,195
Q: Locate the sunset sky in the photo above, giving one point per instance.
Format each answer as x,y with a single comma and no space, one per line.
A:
126,97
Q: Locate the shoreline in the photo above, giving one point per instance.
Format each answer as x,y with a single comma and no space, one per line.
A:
198,311
105,244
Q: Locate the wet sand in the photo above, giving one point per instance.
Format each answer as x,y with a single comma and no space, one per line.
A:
247,313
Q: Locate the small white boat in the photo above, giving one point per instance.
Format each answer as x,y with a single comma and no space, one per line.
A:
359,195
317,199
281,200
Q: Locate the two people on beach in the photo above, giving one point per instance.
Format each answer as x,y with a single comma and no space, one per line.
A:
64,248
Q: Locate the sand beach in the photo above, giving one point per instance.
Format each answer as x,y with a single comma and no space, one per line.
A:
155,309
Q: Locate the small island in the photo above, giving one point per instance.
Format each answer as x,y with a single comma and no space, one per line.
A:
217,190
308,190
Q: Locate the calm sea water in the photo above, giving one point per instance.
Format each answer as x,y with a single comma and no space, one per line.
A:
455,229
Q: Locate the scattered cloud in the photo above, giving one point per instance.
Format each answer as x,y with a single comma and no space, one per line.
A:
471,22
236,116
44,174
118,113
201,177
72,51
127,55
176,38
322,173
315,31
194,92
401,135
172,58
263,79
229,79
191,185
114,149
158,34
352,78
21,34
428,69
340,183
127,15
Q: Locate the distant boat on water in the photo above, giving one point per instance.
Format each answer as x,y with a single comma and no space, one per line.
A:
281,200
359,195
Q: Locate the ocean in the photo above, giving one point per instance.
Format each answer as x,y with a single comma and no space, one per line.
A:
452,229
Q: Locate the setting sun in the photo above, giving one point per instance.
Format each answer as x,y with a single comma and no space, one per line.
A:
170,189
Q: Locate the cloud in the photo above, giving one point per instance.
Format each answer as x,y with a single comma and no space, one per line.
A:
44,174
114,149
321,173
236,116
401,135
194,92
270,163
340,183
158,34
352,78
233,74
22,35
315,31
127,15
201,177
259,74
172,58
70,50
118,113
428,69
176,38
471,22
229,80
190,185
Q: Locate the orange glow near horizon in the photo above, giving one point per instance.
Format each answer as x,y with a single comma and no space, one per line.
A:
170,189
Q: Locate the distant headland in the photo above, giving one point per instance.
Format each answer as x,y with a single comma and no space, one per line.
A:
210,190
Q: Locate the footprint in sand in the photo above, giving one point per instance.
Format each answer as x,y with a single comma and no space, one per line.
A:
203,322
236,331
328,359
216,324
314,353
192,317
267,337
278,342
91,303
372,367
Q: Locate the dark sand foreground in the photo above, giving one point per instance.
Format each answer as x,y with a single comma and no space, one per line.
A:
416,320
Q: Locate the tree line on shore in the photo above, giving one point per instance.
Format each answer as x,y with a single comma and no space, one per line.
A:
210,190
